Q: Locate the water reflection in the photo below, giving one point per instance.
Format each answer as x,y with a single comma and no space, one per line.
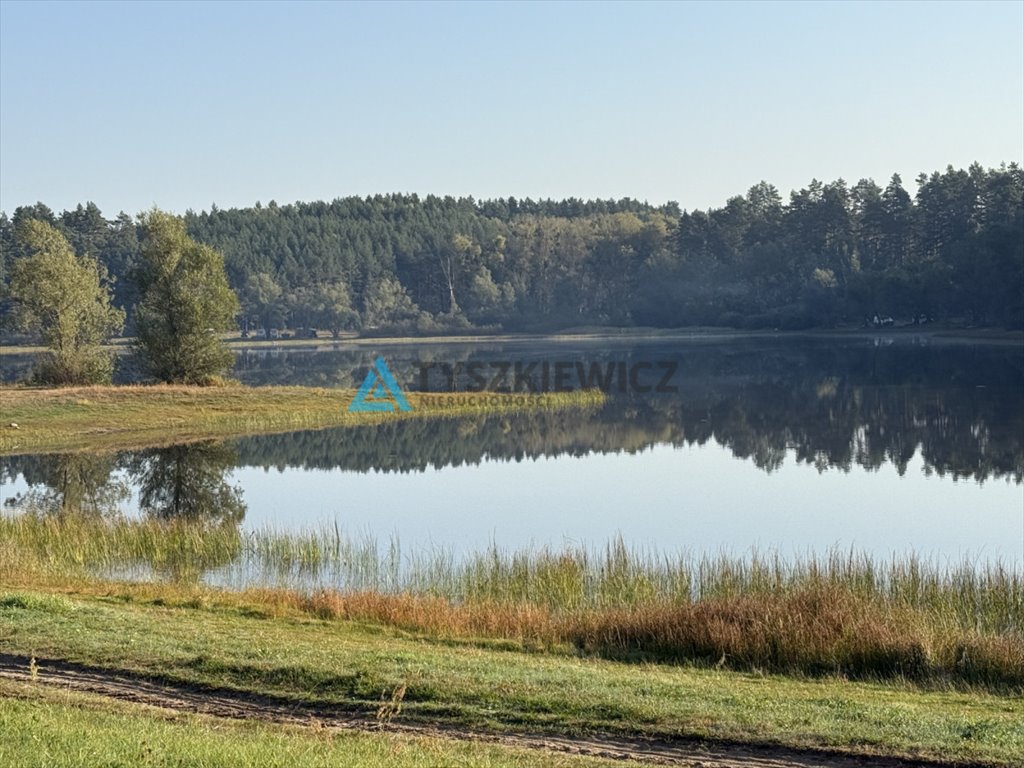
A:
835,403
188,513
847,410
187,482
829,425
64,484
833,406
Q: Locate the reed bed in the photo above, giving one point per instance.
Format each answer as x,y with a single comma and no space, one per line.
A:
838,613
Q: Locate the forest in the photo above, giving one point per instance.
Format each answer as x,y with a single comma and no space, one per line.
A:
832,255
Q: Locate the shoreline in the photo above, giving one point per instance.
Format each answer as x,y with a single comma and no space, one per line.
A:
940,335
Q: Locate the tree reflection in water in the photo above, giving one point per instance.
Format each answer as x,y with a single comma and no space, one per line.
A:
190,513
68,483
187,482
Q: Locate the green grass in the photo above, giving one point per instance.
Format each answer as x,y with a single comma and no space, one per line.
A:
483,684
51,728
118,418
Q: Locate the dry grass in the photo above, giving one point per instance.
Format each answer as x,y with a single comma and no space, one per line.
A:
814,631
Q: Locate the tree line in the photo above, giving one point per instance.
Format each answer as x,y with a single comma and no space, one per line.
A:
832,254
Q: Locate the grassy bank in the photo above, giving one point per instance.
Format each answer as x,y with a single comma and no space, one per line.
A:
96,418
846,614
237,642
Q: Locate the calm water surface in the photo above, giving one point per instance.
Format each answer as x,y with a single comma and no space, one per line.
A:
798,445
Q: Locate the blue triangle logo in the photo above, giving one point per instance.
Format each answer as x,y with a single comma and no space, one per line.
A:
380,392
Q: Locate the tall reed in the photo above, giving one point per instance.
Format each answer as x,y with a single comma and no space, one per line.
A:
841,611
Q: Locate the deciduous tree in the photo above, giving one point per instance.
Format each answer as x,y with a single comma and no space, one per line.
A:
66,299
184,302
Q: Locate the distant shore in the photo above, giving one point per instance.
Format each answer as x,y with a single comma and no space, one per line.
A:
937,333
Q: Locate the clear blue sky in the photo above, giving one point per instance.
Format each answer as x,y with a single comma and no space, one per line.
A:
185,104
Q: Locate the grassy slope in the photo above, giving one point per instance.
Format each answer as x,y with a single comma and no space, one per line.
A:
495,686
54,728
94,418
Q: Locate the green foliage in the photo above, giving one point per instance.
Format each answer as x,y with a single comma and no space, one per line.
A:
326,305
194,639
843,613
262,298
388,305
185,301
66,299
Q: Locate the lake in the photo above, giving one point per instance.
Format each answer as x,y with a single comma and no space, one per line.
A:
798,445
